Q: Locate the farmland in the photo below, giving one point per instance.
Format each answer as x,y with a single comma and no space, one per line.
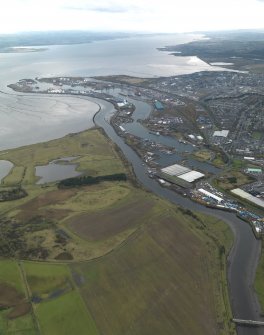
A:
108,258
15,312
154,282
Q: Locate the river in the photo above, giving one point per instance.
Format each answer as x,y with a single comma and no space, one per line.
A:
243,259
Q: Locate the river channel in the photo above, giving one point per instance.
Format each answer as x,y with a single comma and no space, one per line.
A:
243,258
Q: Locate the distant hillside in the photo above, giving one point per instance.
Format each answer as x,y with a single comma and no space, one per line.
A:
54,38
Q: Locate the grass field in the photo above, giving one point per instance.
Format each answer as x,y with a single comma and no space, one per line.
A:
168,277
16,317
42,212
131,263
10,274
44,278
203,155
126,214
218,160
20,326
257,135
59,308
95,154
164,280
233,179
66,315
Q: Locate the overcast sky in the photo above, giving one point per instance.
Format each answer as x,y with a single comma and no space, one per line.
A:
130,15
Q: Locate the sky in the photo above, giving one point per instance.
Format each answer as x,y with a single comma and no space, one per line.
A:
170,16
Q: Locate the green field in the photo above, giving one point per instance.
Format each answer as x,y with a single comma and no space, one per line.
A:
168,277
45,278
20,326
203,155
58,305
39,217
118,260
94,154
65,315
15,317
10,273
233,179
218,160
164,280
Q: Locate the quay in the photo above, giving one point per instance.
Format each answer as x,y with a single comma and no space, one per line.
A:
248,322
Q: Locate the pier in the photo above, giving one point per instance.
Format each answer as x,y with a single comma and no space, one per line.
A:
248,322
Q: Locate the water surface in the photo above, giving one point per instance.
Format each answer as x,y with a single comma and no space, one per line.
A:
5,168
55,170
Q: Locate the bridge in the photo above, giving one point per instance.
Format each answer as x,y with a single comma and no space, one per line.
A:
248,322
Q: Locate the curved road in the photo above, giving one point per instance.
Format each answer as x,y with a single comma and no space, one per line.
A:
244,256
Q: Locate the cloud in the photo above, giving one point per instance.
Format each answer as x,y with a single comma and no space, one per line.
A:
130,15
113,6
99,9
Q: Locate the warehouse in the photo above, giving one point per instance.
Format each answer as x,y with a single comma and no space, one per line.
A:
222,133
191,176
249,197
175,170
180,175
210,195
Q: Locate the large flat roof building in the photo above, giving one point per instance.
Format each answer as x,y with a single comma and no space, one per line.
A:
221,133
178,174
191,176
241,193
175,170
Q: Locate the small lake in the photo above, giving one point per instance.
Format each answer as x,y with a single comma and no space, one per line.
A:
5,168
56,170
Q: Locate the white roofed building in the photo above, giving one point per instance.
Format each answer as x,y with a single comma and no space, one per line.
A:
221,133
179,174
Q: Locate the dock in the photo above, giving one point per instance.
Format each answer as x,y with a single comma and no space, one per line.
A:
248,322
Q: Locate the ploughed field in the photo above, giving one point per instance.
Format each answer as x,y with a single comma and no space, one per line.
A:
106,258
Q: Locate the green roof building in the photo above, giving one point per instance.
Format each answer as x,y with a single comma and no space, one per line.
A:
159,106
254,170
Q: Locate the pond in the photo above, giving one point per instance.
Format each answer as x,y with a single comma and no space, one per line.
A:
56,170
5,168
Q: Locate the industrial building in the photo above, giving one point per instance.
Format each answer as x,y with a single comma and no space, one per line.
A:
245,195
180,175
221,133
159,106
254,170
210,195
175,170
191,176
